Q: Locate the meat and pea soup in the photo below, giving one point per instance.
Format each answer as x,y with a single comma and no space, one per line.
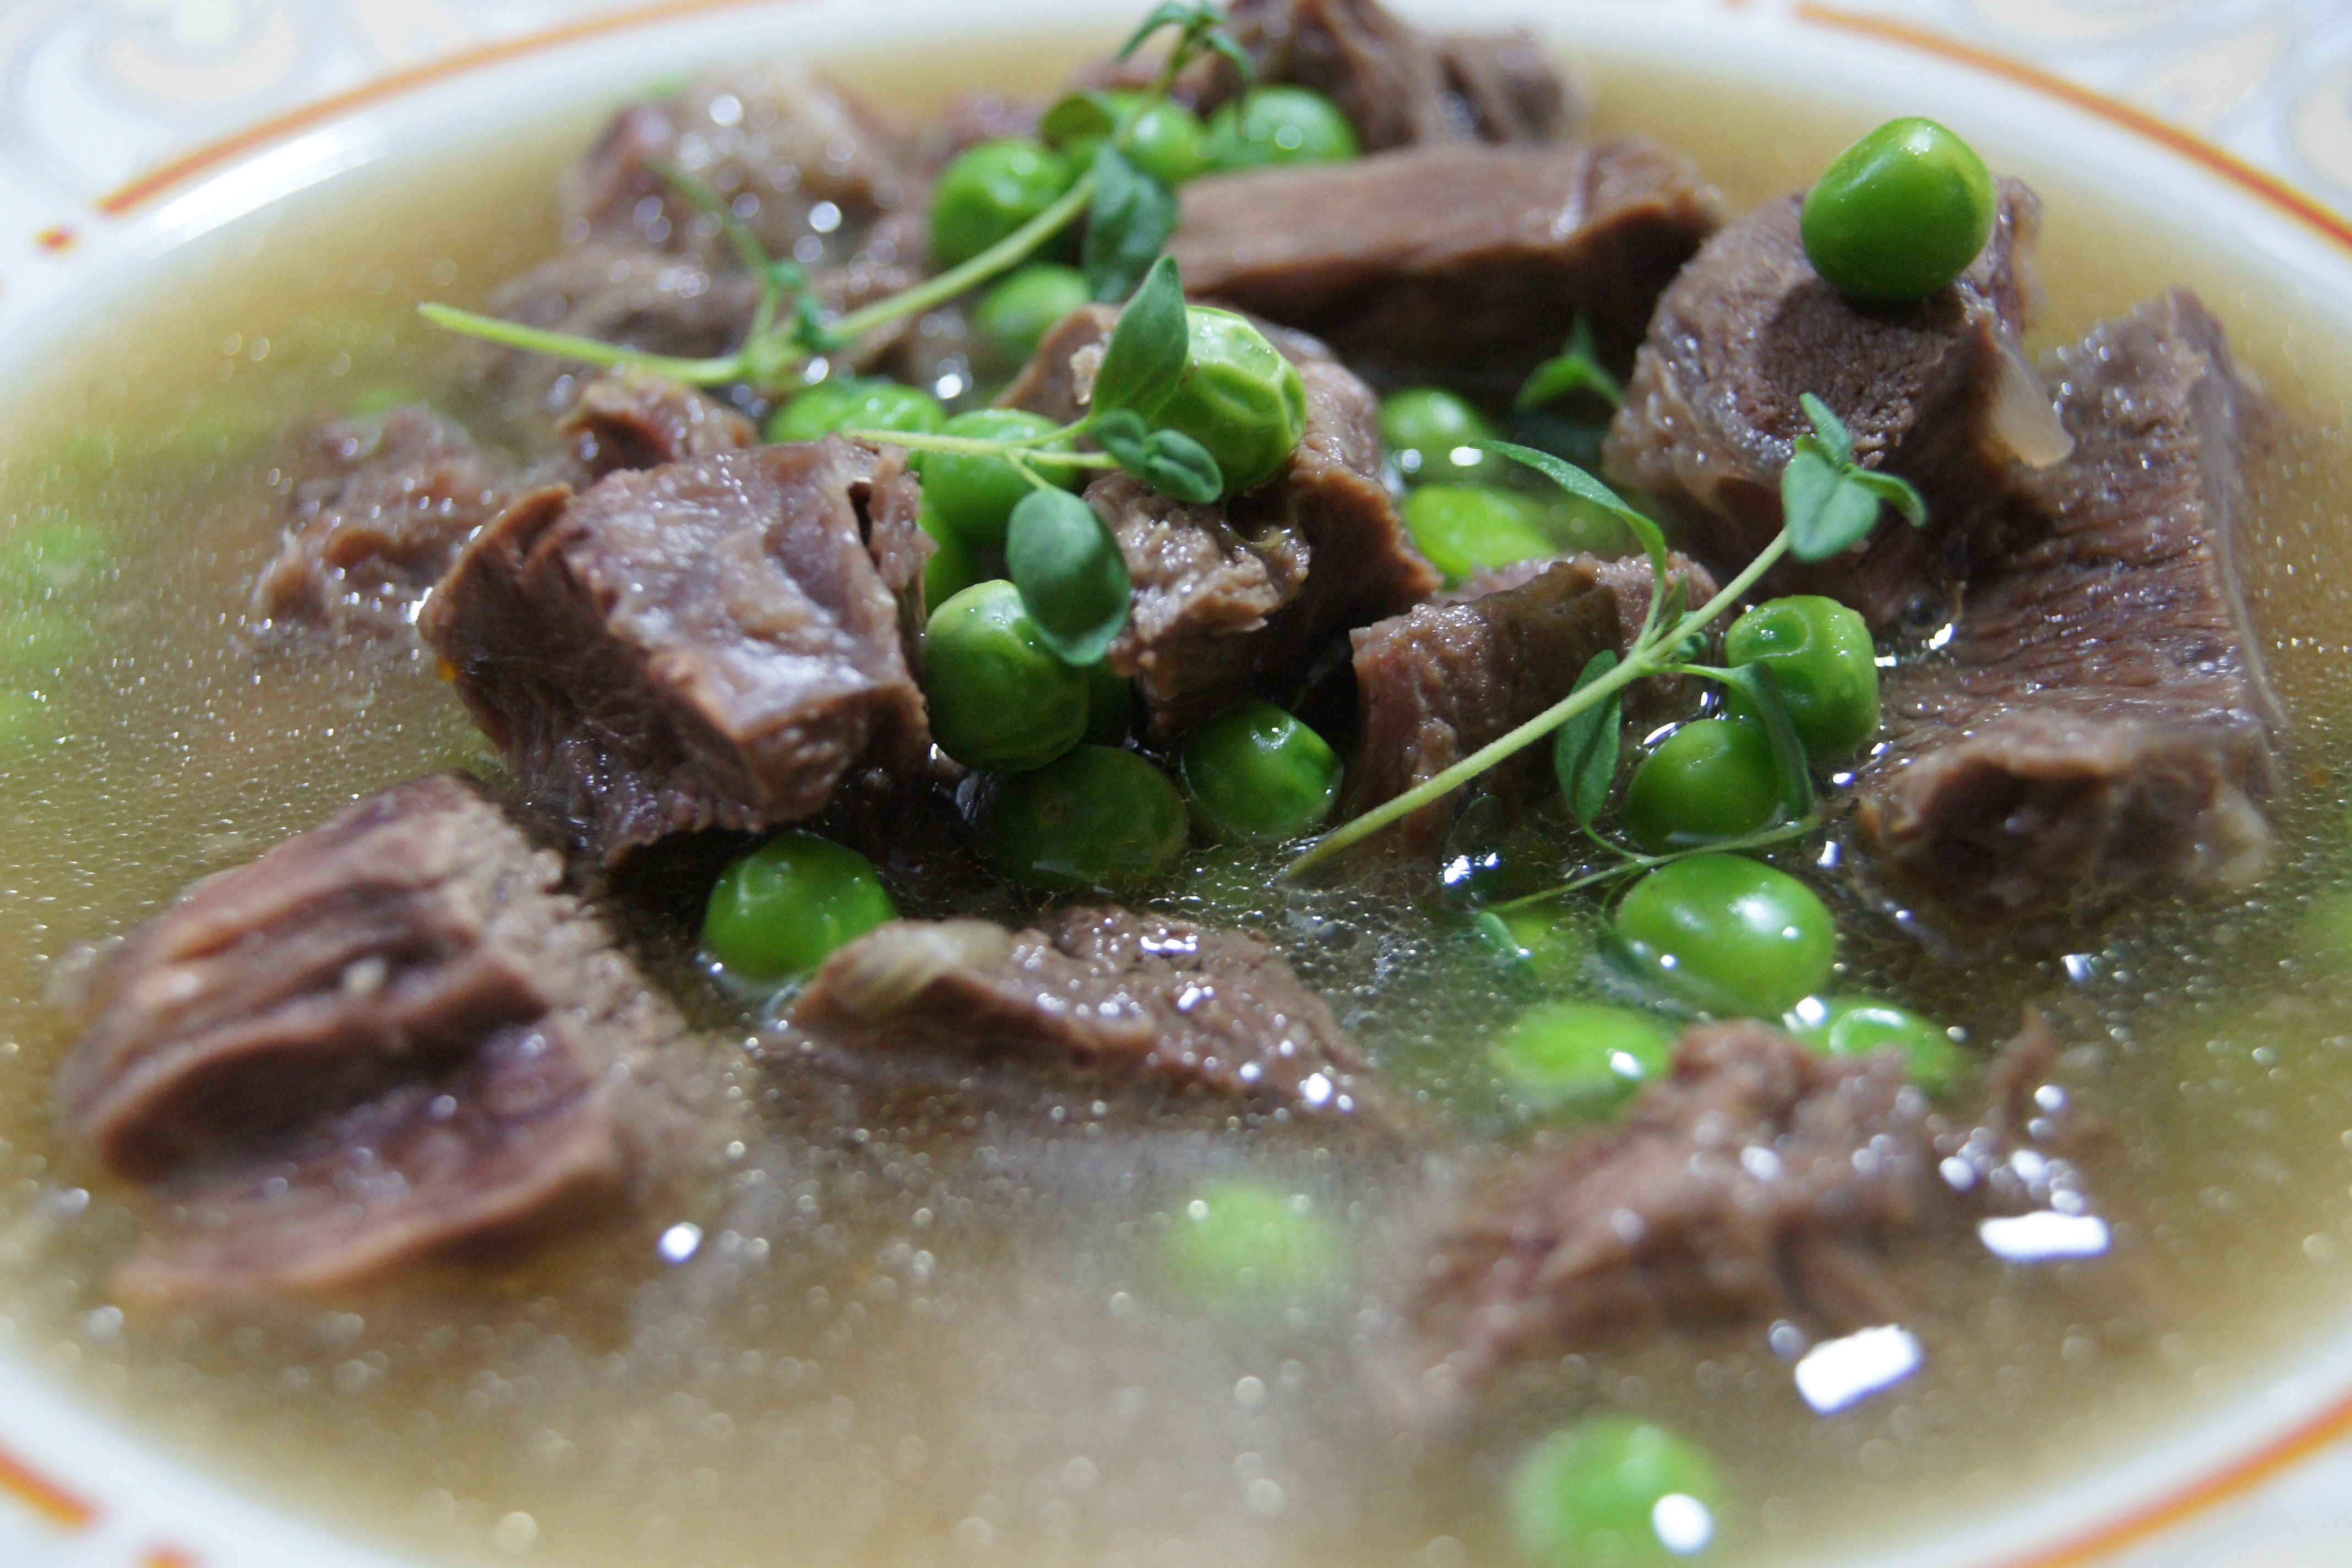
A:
1311,816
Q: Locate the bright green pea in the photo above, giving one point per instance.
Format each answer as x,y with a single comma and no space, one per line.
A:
1550,938
1899,214
1110,704
1241,1241
1094,817
1281,125
855,403
1820,653
953,566
991,190
1580,1056
777,911
1462,528
1020,310
1711,779
975,496
1166,141
999,699
1431,432
1728,935
1614,1492
1238,397
1854,1025
1256,772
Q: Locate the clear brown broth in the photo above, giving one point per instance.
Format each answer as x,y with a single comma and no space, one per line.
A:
948,1336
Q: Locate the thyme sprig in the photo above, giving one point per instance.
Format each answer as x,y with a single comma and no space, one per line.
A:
1822,494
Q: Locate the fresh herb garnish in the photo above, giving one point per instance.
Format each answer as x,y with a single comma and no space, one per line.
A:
1577,368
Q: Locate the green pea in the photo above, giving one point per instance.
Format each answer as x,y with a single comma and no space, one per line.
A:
1711,779
1020,310
1854,1025
953,566
777,911
999,699
1242,1241
1550,938
975,495
1237,397
1820,653
1110,704
1094,817
1899,214
49,560
1431,432
1464,527
1612,1491
990,190
1256,772
1166,140
855,403
1580,1056
1727,936
1281,125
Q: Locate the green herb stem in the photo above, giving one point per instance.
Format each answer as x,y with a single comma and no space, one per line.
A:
1651,655
1017,453
1631,864
595,350
1010,251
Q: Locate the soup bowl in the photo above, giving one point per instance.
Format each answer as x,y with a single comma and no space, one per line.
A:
107,1455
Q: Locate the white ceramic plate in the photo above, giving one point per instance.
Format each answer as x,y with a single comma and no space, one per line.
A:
77,1488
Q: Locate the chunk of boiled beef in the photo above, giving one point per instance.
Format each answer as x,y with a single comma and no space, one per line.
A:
1125,997
1763,1180
1232,596
816,177
380,508
710,644
635,419
1445,678
1464,264
1937,391
2100,720
391,1036
1398,85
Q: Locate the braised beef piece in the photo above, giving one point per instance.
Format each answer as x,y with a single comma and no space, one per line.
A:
1464,264
1231,596
380,508
1398,85
1445,678
634,420
1126,997
1711,414
818,178
1763,1180
709,644
2100,720
391,1035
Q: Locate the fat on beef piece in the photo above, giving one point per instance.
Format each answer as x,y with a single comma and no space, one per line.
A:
391,1035
2100,720
1937,391
709,644
381,510
1438,682
1763,1180
1462,263
1398,85
1120,995
1233,596
635,419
